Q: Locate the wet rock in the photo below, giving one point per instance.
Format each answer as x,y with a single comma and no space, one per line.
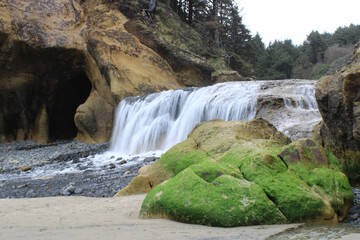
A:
76,161
127,172
150,159
86,182
22,186
134,159
111,166
68,190
122,162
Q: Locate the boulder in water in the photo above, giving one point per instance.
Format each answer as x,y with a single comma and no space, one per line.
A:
244,173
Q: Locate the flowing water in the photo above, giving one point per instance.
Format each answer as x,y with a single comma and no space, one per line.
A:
160,120
146,126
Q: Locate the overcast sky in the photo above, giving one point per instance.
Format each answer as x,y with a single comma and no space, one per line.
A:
295,19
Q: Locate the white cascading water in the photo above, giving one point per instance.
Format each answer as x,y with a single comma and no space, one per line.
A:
159,121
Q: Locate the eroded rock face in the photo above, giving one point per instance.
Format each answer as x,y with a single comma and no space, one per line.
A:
338,98
57,55
243,173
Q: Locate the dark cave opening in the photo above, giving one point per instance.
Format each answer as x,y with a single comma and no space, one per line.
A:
36,78
69,95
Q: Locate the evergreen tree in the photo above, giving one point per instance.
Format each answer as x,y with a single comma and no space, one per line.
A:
316,46
346,35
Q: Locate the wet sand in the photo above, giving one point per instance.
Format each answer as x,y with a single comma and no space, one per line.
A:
106,218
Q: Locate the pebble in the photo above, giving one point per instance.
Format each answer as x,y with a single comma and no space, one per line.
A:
78,191
122,162
134,159
68,190
354,212
127,172
88,180
150,159
15,155
25,168
30,194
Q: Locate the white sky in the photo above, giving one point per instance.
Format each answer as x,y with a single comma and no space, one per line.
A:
295,19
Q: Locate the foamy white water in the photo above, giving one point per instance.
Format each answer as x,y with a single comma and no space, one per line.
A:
159,121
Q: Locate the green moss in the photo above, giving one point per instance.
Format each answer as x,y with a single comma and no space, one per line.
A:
209,171
227,202
295,199
328,183
351,163
231,174
334,162
182,156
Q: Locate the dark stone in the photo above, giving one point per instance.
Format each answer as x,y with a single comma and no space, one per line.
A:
122,162
134,159
150,159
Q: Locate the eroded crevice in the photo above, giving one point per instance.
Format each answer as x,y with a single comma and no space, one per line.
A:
40,90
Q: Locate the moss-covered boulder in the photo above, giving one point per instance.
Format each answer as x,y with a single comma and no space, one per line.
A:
245,173
226,201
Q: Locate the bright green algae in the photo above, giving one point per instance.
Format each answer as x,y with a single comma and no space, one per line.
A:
253,181
225,202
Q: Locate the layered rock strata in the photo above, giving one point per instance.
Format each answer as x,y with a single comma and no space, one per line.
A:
66,64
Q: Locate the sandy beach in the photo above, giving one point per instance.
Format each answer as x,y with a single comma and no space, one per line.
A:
105,218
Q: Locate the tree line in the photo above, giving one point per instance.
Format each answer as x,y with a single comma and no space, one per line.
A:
318,55
221,27
220,22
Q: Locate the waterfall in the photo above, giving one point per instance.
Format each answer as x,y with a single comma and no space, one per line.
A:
160,120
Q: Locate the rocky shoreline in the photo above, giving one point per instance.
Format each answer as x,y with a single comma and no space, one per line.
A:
29,170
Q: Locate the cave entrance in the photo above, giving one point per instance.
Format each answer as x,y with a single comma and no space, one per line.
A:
71,92
40,90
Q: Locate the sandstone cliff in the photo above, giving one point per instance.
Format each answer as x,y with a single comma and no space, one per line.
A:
66,64
338,98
